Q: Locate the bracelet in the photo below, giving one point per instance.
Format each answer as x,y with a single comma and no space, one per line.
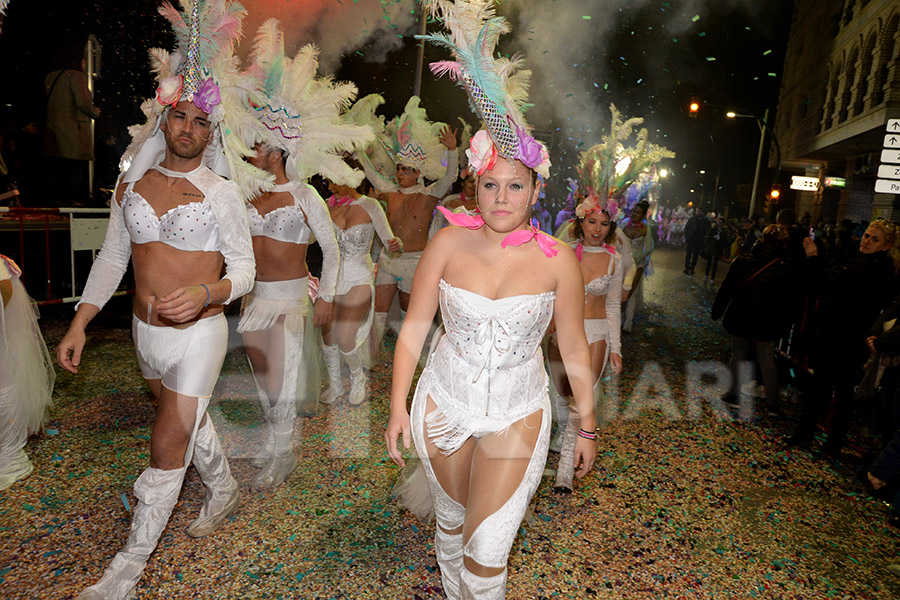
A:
207,295
588,435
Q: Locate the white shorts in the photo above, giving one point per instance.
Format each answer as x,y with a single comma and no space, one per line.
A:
398,270
187,360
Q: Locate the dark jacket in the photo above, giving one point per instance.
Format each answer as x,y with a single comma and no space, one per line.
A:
850,295
761,309
718,239
695,231
887,341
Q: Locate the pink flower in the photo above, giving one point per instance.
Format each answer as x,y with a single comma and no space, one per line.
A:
482,153
207,96
169,90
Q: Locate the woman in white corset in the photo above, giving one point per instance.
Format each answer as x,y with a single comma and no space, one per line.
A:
480,415
356,219
601,268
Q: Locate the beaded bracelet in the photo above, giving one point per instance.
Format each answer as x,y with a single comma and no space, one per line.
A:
588,435
207,295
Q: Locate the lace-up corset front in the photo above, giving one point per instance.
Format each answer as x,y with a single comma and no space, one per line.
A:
355,244
489,361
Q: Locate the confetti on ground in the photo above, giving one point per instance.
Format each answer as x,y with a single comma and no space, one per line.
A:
698,509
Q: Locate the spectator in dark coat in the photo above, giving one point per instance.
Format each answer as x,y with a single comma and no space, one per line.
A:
694,239
718,240
850,295
753,234
756,299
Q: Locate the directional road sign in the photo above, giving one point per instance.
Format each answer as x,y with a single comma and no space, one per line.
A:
889,171
890,156
887,186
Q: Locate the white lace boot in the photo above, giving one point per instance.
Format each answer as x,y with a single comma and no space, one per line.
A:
283,461
379,323
474,587
560,404
448,548
157,492
357,376
335,389
565,470
222,494
266,452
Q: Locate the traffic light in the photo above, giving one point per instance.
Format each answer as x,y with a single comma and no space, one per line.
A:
694,106
776,191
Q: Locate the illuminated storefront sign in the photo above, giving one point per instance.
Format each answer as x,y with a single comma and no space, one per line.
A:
806,184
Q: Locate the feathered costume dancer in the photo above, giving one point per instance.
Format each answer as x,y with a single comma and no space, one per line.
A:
408,151
199,78
302,135
511,379
608,171
26,375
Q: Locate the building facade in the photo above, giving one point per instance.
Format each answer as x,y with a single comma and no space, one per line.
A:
840,86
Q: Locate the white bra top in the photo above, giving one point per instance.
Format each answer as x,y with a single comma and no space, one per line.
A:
600,285
284,224
191,227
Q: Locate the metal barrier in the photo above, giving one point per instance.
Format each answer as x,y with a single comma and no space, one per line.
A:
85,234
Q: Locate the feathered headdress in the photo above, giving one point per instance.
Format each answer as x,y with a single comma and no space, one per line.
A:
609,169
302,113
412,140
201,70
497,87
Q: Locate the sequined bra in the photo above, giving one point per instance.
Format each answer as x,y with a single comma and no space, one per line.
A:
190,227
284,224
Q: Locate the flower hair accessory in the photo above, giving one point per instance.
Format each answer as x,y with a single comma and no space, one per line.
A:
497,87
588,206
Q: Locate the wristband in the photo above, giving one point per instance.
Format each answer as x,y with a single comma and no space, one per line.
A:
588,435
207,295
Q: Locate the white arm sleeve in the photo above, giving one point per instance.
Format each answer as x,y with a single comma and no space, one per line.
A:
379,219
319,221
441,187
384,186
234,237
629,269
614,307
111,262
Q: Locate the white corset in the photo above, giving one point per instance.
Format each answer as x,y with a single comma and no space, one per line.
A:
488,365
355,244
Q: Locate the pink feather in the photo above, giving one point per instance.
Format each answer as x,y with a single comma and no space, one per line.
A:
517,238
461,219
446,67
171,13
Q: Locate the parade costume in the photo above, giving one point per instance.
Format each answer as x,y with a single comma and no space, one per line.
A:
301,117
26,377
186,359
596,330
410,139
356,269
487,371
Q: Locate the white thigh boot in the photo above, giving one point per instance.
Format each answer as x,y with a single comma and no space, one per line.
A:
379,323
475,587
335,389
222,494
565,470
560,404
266,452
357,376
448,548
157,492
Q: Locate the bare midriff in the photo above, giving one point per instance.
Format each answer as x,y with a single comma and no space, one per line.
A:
277,260
160,269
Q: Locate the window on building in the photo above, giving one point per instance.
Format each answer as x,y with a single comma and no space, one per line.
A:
848,11
849,80
886,55
865,71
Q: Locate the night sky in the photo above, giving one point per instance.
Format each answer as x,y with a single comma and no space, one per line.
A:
648,57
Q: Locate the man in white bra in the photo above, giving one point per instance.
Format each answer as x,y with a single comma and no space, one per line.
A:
410,205
182,225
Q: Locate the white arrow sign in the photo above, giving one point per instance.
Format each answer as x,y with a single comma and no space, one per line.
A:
893,125
889,171
887,186
892,140
890,156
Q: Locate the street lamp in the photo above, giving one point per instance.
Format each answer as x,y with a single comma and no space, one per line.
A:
763,123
